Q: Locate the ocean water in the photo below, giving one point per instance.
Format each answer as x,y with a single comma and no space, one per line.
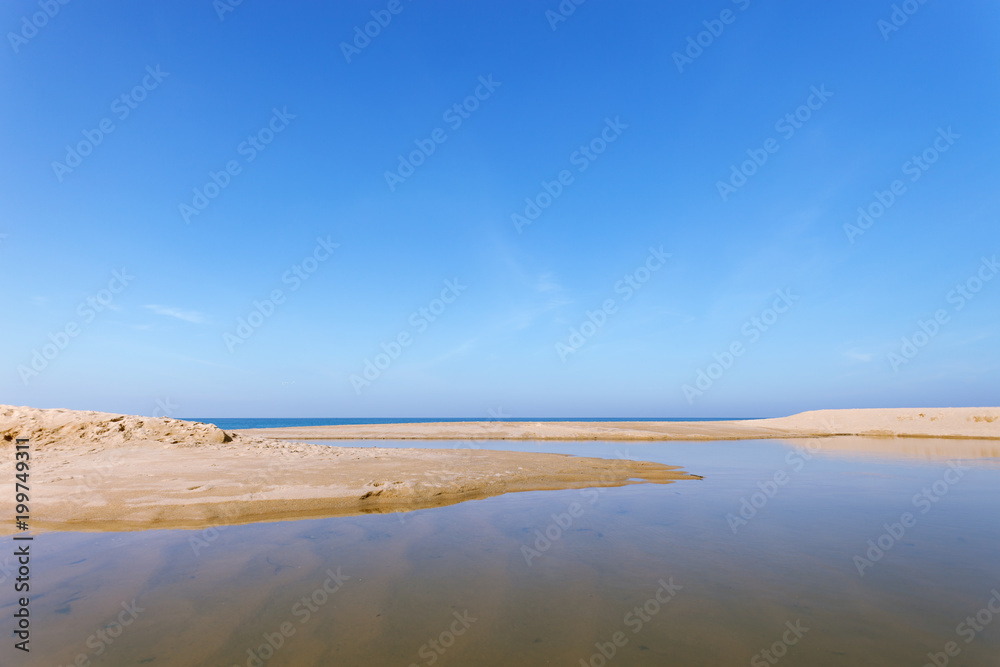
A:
787,552
235,423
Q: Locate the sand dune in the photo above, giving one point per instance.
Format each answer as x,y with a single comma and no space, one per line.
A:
101,471
979,423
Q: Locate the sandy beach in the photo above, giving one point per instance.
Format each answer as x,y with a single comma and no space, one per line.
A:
102,471
977,423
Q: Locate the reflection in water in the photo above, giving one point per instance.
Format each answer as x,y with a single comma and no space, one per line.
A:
929,449
639,575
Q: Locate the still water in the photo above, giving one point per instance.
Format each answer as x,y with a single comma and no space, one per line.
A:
827,552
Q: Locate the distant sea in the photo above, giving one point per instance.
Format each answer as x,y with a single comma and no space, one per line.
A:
234,423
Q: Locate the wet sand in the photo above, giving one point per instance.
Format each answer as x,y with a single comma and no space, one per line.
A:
978,423
100,471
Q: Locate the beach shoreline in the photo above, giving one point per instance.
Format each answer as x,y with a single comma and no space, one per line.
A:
961,423
94,471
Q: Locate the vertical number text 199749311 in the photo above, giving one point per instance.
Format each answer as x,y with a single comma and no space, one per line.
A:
23,551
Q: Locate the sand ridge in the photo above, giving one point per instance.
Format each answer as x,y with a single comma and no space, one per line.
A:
977,423
102,471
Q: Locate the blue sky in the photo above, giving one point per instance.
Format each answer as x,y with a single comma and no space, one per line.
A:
641,137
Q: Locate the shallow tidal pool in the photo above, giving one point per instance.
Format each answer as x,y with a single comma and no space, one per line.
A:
812,552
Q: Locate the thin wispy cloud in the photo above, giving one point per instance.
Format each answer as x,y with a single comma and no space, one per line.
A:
459,350
857,355
547,283
205,362
177,313
685,318
970,338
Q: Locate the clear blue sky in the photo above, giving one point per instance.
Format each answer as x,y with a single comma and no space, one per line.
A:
198,87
